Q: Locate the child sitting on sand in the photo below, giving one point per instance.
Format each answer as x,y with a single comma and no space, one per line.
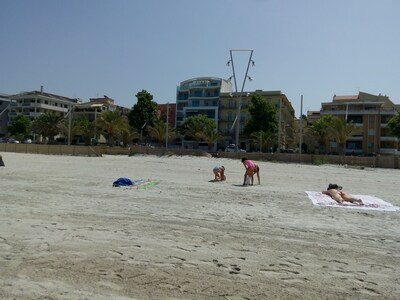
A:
219,173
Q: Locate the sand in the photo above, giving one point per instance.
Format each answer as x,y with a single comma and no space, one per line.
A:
66,233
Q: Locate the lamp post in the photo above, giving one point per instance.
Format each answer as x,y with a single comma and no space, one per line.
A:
70,124
239,103
279,125
166,135
141,132
301,126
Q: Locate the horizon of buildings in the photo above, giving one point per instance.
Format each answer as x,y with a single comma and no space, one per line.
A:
215,98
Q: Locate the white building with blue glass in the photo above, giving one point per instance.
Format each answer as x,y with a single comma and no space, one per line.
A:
200,96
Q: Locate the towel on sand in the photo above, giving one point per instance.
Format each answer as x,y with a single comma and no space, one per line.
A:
137,183
370,202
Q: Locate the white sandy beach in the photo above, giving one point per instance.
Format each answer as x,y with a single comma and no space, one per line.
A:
66,233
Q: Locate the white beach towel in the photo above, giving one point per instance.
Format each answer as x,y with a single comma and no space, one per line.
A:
370,202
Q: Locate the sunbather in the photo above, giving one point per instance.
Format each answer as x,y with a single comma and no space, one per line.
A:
336,193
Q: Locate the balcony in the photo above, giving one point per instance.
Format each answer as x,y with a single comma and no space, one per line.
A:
388,139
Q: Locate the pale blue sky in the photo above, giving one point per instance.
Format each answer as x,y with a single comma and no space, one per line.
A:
91,48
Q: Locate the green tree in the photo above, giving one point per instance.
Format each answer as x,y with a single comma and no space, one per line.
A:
211,136
47,125
110,123
86,129
193,127
159,131
265,139
320,131
20,127
126,133
143,113
394,125
64,128
263,116
341,131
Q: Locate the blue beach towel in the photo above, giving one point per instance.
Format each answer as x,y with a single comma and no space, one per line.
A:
122,182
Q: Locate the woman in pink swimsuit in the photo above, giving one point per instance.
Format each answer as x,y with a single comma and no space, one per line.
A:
251,169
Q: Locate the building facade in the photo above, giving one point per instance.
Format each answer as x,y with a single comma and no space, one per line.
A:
4,118
228,110
33,104
200,96
370,114
167,112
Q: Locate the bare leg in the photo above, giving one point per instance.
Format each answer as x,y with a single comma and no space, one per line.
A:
349,198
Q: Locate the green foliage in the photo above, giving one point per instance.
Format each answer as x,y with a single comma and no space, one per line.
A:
263,116
320,131
111,123
86,129
159,131
210,135
47,125
143,112
394,125
194,127
320,161
265,139
20,127
127,134
341,131
64,127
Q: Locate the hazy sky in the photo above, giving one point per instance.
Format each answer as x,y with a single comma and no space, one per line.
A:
90,48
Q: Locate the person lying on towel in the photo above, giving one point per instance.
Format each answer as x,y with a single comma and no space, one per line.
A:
336,193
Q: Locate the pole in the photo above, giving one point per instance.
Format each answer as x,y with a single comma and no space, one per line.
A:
279,125
301,125
141,132
239,104
166,136
69,125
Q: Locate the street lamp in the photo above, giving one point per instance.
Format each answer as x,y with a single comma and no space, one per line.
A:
239,104
141,132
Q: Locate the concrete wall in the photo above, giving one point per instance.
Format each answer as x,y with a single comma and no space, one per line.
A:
382,161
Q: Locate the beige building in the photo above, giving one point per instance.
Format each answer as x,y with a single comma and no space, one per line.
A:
228,109
33,104
371,115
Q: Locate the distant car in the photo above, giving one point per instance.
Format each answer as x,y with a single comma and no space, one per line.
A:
14,141
232,148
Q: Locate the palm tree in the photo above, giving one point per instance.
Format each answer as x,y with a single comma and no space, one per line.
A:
341,131
86,129
159,131
211,136
47,125
110,123
264,138
320,131
126,133
64,128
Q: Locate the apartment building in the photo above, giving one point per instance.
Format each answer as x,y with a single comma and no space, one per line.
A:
167,111
200,96
4,109
95,106
369,113
35,103
228,110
